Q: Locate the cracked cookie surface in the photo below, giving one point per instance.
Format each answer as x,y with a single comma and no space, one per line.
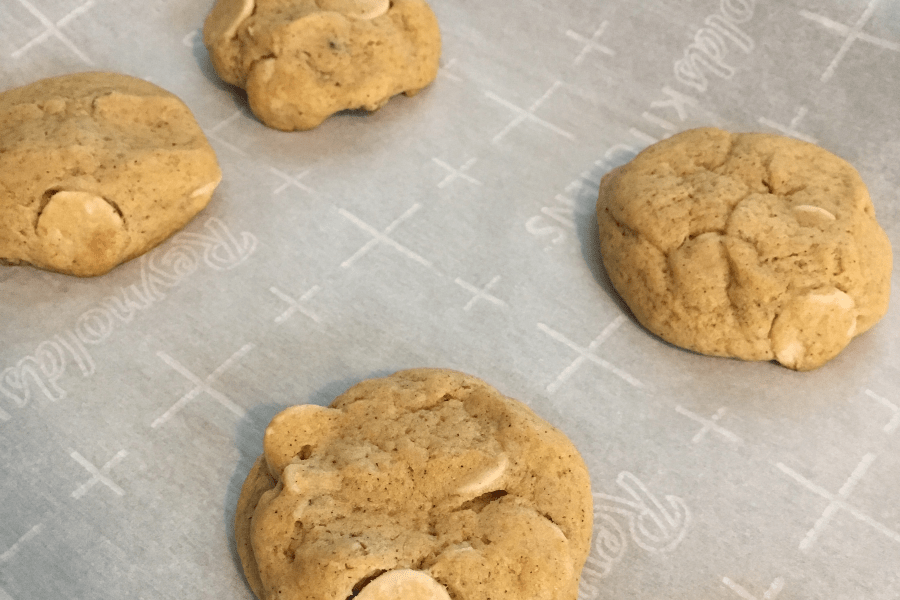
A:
96,169
748,245
301,61
424,485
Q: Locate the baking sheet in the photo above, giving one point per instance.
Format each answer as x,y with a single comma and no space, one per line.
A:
454,229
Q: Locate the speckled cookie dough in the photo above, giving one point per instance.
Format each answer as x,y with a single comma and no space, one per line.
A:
747,245
301,61
424,485
96,169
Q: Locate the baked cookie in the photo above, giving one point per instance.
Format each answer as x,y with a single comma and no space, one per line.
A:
95,169
426,485
301,61
746,245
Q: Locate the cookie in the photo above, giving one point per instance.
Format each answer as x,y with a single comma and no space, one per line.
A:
301,61
746,245
427,485
96,169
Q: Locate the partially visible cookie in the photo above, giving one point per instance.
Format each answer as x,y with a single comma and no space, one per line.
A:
424,485
747,245
301,61
96,169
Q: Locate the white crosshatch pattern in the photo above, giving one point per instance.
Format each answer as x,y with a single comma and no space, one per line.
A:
484,242
770,594
588,354
100,475
893,423
528,115
838,501
55,30
11,552
201,386
591,44
850,34
710,424
456,173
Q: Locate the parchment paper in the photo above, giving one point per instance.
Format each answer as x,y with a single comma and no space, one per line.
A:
454,229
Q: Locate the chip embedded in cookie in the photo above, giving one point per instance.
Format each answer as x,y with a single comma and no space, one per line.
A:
426,484
301,61
96,169
748,245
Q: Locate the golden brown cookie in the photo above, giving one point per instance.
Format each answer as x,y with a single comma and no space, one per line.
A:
747,245
95,169
424,485
301,61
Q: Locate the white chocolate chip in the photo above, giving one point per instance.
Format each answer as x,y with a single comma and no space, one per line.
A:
363,10
813,328
54,106
225,18
790,354
835,297
81,226
842,301
809,216
263,71
484,480
292,430
205,190
300,479
403,584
